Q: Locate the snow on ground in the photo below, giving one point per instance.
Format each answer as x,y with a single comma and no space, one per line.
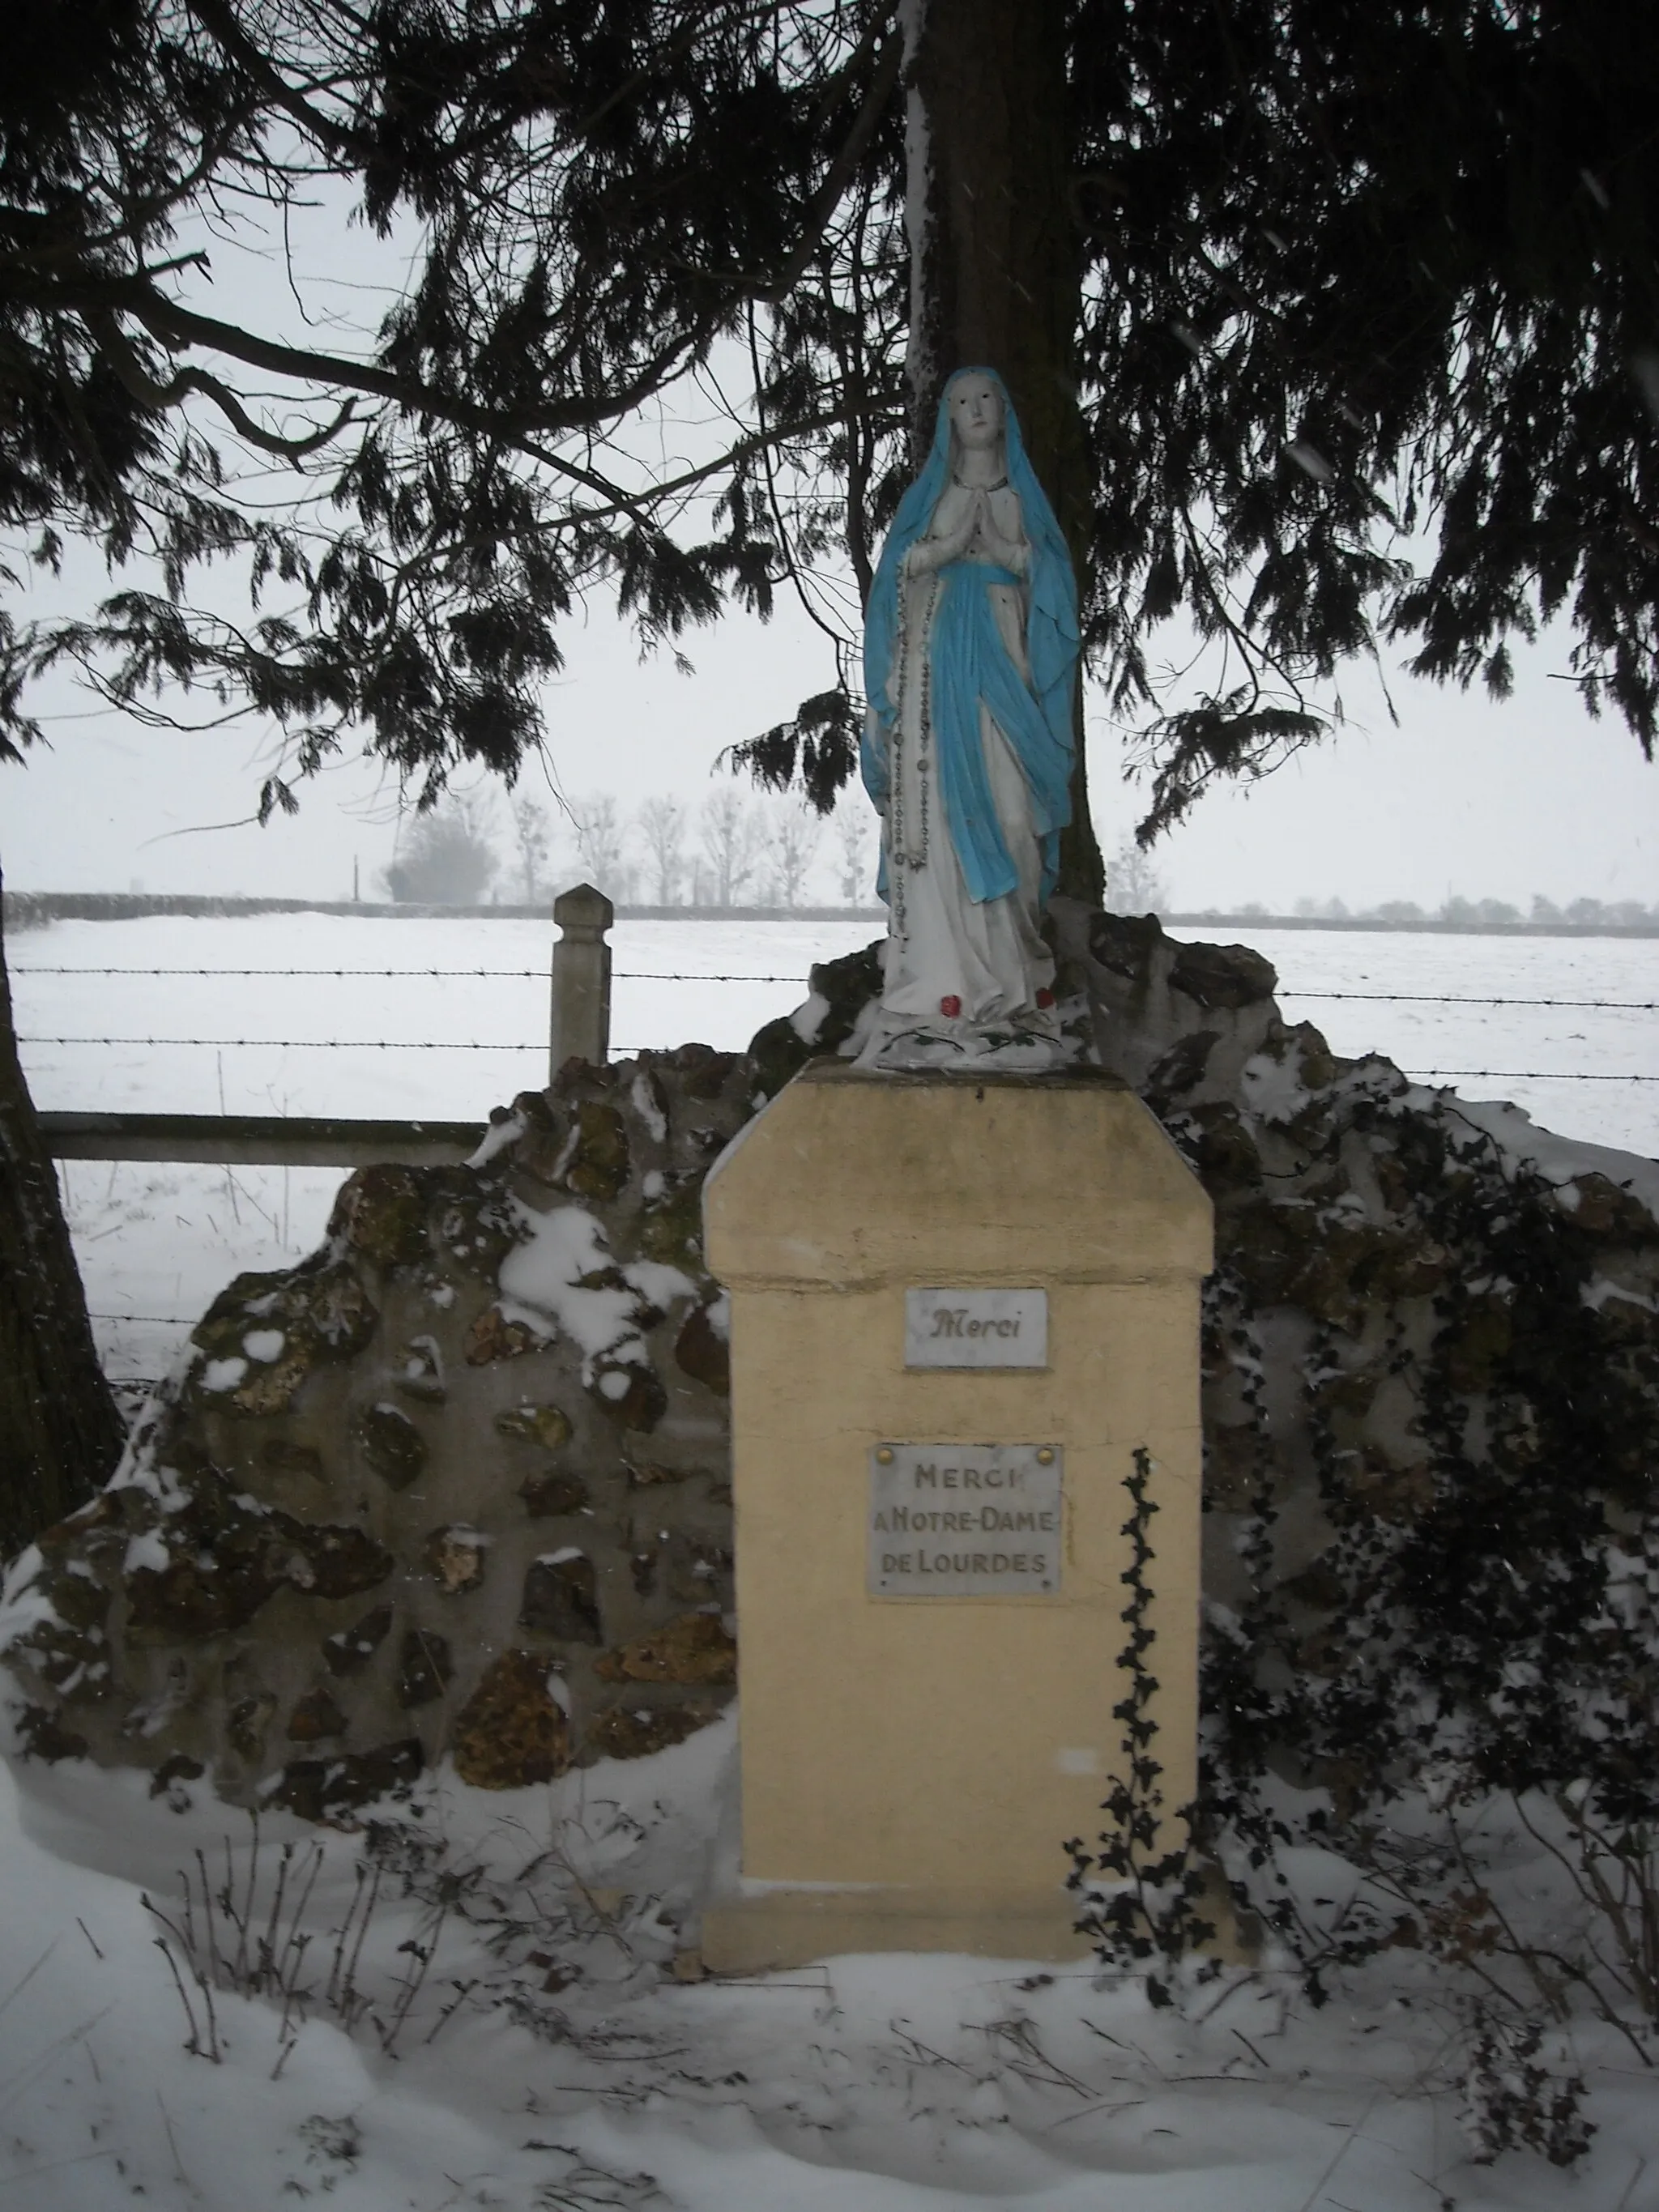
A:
552,2062
489,989
157,1241
1433,1039
574,2070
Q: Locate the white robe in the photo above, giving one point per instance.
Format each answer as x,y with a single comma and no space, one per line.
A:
988,956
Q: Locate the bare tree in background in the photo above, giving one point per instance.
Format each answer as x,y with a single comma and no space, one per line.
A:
661,822
794,833
1133,883
733,836
855,835
448,857
602,844
529,841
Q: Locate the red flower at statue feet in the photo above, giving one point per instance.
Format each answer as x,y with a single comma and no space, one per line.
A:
950,1006
1045,999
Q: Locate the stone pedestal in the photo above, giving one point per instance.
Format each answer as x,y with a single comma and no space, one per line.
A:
930,1555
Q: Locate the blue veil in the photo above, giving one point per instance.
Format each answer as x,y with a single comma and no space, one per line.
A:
1037,722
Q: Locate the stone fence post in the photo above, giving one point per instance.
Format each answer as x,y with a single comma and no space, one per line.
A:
581,978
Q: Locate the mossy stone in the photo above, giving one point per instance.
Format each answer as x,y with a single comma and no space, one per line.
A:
694,1648
382,1211
706,1072
321,1310
179,1768
473,1220
547,1427
703,1353
700,1563
455,1555
349,1650
391,1444
1229,975
778,1052
336,1560
600,1161
511,1733
628,1392
79,1599
202,1592
548,1495
492,1337
1478,1341
247,1722
647,1473
561,1599
671,1229
314,1718
1607,1210
322,1788
425,1667
283,1456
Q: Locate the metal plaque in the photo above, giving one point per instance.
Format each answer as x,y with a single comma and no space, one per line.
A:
964,1520
975,1328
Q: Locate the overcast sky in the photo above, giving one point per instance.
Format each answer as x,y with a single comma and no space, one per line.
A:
1465,796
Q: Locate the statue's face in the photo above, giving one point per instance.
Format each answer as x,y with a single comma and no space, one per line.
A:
975,407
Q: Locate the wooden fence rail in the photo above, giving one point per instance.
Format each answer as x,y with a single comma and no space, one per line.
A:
257,1139
580,1028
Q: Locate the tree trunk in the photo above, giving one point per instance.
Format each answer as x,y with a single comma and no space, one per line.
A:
60,1434
994,262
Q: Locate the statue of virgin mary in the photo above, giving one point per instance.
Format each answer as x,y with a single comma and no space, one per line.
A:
970,650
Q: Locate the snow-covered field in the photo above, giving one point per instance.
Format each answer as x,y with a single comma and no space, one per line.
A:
551,2061
157,1241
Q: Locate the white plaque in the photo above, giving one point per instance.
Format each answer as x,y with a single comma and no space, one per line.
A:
975,1328
964,1520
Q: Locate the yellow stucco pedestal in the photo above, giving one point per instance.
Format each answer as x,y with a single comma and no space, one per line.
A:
913,1763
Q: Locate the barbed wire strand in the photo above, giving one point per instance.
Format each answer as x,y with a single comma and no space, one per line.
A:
1525,1075
304,1044
441,975
1449,998
539,974
631,1052
678,975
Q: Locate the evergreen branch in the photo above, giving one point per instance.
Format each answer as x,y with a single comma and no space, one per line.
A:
123,357
843,168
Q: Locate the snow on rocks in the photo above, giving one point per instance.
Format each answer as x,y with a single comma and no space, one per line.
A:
389,1490
565,1276
489,1414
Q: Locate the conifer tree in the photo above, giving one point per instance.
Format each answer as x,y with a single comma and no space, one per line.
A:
1281,288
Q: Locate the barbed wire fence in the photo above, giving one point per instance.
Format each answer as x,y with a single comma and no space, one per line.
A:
677,975
536,1046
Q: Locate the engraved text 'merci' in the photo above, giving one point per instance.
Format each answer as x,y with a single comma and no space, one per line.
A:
946,1328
